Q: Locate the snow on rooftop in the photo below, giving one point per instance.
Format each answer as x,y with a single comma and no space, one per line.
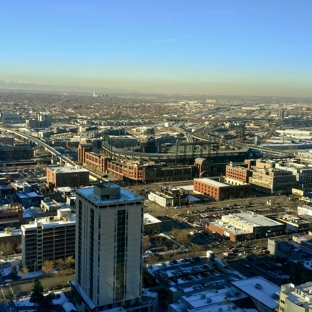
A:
260,289
252,219
68,169
125,195
212,182
65,189
149,219
187,187
50,223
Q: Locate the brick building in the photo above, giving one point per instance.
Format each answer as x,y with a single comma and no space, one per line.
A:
6,139
219,190
237,172
74,176
15,152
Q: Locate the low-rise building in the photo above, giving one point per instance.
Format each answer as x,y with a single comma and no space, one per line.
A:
210,300
304,210
263,293
293,223
220,190
295,298
169,196
288,249
272,181
15,152
67,176
302,172
237,173
245,225
151,224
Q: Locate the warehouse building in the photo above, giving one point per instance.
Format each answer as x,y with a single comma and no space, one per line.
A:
227,189
245,225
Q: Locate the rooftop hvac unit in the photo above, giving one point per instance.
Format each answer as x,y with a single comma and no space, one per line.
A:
258,286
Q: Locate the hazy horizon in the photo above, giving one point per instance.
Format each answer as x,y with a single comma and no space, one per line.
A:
259,48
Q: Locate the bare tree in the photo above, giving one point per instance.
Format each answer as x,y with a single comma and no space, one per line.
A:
287,230
24,270
182,237
146,243
196,250
48,266
65,267
6,249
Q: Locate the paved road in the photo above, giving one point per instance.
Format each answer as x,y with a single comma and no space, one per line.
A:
15,288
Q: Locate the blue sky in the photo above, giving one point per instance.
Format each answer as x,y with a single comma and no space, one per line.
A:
258,47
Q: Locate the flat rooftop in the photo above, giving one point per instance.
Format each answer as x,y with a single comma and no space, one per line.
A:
260,289
212,300
252,219
48,223
212,182
149,219
229,228
68,169
300,295
125,195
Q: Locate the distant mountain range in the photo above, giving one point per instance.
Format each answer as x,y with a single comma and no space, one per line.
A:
31,86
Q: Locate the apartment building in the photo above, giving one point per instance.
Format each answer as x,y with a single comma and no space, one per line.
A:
73,176
109,238
48,238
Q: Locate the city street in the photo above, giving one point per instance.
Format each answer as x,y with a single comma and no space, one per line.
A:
54,282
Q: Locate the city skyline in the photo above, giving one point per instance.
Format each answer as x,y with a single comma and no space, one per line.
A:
234,48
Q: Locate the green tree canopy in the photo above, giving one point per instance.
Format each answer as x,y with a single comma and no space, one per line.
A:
37,293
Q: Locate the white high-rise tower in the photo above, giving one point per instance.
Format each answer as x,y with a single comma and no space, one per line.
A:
109,231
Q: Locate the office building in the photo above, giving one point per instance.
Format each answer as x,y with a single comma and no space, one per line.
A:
109,237
272,181
48,238
74,176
